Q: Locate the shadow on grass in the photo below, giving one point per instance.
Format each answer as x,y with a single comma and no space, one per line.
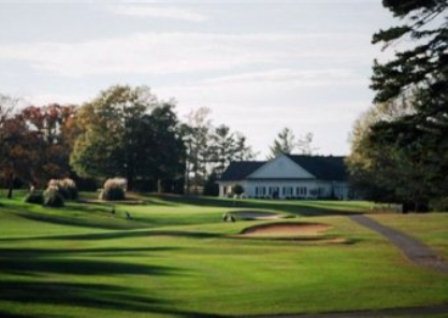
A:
74,266
118,235
128,234
5,314
132,197
304,208
73,221
94,296
101,251
21,270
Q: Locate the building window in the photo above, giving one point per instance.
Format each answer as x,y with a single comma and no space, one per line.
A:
287,191
301,191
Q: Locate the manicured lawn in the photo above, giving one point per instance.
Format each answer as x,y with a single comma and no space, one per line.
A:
177,258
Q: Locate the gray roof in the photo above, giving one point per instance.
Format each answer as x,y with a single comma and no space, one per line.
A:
239,170
330,168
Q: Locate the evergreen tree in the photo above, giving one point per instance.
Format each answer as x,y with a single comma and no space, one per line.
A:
413,147
226,146
284,143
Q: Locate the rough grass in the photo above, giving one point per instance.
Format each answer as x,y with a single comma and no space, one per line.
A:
177,258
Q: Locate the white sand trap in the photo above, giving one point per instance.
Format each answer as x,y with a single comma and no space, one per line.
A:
286,229
256,215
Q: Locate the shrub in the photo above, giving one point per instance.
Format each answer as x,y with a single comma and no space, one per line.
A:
66,188
34,197
53,198
114,189
237,189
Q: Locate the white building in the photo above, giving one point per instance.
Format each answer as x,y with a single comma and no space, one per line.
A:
288,176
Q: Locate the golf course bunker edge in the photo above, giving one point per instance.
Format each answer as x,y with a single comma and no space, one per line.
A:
286,229
256,215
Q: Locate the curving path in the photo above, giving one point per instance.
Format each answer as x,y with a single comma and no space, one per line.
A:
414,250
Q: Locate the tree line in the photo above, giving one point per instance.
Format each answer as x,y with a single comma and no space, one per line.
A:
124,131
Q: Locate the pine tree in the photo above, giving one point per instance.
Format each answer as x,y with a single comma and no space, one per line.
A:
283,144
416,142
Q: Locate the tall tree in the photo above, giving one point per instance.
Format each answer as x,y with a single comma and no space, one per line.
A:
419,74
404,157
378,168
196,133
126,132
109,127
53,124
226,146
210,149
168,153
18,145
284,143
222,148
242,151
304,144
425,65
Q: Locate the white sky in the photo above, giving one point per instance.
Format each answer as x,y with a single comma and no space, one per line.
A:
258,65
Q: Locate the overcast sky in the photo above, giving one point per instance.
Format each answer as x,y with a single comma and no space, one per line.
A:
258,65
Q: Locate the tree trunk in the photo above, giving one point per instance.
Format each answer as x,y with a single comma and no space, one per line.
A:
129,177
159,186
130,182
10,185
187,179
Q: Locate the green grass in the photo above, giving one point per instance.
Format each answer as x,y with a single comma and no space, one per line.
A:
177,258
430,228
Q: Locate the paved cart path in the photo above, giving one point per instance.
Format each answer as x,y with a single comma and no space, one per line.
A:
414,250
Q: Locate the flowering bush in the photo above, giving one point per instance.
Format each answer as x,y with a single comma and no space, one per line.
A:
52,197
66,188
114,189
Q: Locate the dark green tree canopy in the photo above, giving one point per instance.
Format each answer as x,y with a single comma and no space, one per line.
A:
405,155
126,132
426,65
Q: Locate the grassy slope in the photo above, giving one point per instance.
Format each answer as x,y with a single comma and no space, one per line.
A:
178,259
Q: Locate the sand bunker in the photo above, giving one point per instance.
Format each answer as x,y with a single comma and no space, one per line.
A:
286,229
255,215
